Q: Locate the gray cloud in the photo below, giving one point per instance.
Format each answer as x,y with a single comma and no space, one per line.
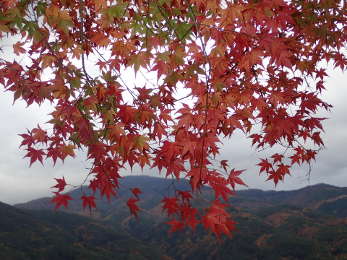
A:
18,182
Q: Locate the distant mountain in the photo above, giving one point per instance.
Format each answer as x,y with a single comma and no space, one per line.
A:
43,234
317,197
309,197
309,223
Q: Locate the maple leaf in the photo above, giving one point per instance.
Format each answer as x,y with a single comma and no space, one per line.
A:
218,220
108,189
131,203
175,225
100,39
221,190
279,173
136,192
296,158
340,61
188,215
61,200
27,139
265,165
234,178
66,150
277,157
310,154
283,169
275,176
192,222
39,135
321,73
88,201
115,131
159,131
53,153
185,195
317,139
141,142
18,48
34,155
161,67
96,151
224,164
250,59
255,138
197,175
60,184
170,205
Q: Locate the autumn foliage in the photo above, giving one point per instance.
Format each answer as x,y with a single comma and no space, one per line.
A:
254,67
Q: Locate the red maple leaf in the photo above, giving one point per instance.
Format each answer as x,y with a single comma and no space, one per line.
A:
61,200
27,139
107,188
34,155
88,201
170,205
221,190
275,176
235,179
136,192
224,164
317,139
255,138
264,165
39,135
60,184
175,225
192,222
218,220
18,48
279,174
132,206
296,158
185,195
277,157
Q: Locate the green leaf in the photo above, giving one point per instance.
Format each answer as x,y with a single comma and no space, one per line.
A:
64,25
183,30
117,11
141,142
41,8
136,61
76,83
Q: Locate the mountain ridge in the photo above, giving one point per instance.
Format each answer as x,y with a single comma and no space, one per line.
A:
157,188
150,179
271,226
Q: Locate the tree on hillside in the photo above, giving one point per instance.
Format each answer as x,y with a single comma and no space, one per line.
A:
255,67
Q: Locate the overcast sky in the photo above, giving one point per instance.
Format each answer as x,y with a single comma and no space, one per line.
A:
19,183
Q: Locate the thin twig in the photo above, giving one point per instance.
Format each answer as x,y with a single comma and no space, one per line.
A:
207,78
118,76
81,11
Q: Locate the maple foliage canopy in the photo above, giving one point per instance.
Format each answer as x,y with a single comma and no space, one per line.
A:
255,67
